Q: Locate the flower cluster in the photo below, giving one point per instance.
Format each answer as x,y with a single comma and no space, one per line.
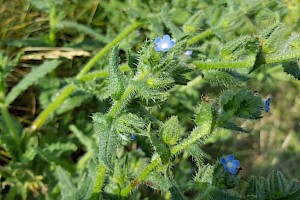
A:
164,44
230,164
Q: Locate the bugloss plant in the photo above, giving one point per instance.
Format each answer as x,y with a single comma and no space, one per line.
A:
135,88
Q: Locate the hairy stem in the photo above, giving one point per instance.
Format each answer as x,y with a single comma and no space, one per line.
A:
99,55
102,73
226,64
269,59
275,58
194,137
199,37
67,91
125,191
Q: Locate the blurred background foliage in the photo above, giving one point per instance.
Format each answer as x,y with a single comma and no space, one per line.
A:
89,25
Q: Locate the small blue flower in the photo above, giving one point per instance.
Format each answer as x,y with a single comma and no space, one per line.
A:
133,137
230,164
267,104
164,44
188,53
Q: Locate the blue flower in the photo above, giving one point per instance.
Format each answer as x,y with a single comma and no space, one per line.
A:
188,53
267,104
230,164
164,44
133,137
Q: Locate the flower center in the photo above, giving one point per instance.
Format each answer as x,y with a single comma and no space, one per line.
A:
164,45
230,165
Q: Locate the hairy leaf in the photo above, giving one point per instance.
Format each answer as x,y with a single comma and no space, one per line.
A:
292,68
161,148
116,84
109,140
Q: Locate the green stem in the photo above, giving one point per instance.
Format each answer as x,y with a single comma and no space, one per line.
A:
67,91
121,36
52,22
269,59
195,136
116,109
225,64
119,105
275,58
201,36
102,73
141,177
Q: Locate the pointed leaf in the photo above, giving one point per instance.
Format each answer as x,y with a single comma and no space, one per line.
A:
35,75
292,68
161,148
116,85
109,141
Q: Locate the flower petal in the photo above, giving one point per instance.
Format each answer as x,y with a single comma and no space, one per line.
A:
158,40
227,169
230,157
233,170
223,161
165,49
236,163
157,48
166,38
171,43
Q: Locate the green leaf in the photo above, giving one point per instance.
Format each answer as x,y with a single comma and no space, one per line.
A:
224,78
278,184
157,182
81,28
116,84
192,24
35,75
243,104
204,117
272,38
161,148
292,68
259,60
130,124
196,152
176,32
170,131
218,194
68,189
86,141
109,140
235,127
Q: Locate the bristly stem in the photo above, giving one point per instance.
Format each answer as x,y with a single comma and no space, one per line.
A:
195,136
101,53
204,65
248,63
199,37
102,73
67,91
